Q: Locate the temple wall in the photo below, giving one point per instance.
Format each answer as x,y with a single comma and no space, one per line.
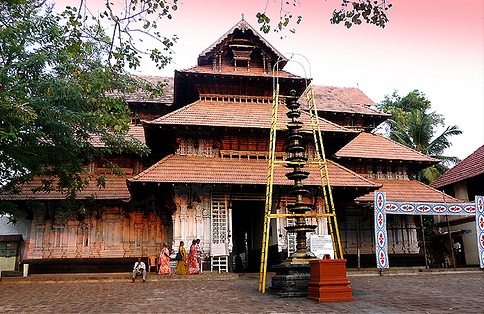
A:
191,220
402,235
113,234
194,219
460,191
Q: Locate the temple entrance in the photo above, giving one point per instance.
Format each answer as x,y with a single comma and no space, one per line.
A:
247,225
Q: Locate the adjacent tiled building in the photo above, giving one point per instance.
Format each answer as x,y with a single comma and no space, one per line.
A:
464,181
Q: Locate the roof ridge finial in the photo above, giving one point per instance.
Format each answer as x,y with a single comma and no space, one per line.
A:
242,15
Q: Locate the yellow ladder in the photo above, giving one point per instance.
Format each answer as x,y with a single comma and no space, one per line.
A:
269,189
324,175
320,162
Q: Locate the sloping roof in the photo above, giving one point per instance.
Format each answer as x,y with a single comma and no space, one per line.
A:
197,169
345,100
243,26
229,70
374,146
11,238
135,131
471,166
235,114
116,189
144,97
408,191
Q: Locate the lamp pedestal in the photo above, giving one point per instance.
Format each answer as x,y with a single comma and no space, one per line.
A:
328,281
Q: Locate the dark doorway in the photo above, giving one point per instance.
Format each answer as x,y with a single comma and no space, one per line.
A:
247,225
458,248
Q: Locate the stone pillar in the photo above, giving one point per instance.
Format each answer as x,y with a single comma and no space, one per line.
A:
229,228
39,236
198,221
183,217
206,203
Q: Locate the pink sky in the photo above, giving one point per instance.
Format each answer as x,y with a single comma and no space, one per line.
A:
435,46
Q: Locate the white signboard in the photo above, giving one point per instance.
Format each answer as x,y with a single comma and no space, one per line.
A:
321,245
219,249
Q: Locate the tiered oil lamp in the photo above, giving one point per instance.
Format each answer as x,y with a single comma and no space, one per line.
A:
297,161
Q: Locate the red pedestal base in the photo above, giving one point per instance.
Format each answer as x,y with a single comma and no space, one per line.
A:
328,281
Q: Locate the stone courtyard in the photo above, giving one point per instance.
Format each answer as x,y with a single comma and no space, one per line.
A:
398,292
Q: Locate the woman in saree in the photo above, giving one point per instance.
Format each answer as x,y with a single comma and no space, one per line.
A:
164,260
181,268
192,260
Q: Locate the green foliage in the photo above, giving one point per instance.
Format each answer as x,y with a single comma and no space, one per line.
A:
134,21
62,83
413,100
351,13
415,126
357,12
10,210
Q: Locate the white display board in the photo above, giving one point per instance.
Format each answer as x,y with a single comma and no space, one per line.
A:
219,249
321,245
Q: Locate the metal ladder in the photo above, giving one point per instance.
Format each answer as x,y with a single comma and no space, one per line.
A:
320,162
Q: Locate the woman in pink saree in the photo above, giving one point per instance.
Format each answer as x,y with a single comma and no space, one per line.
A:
192,260
165,268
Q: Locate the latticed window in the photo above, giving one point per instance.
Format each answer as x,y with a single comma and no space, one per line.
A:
247,141
219,219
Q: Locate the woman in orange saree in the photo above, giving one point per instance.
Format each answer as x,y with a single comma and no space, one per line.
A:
165,268
181,268
192,260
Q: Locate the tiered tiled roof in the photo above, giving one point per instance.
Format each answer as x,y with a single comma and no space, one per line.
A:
374,146
408,191
135,131
203,81
196,169
143,97
470,167
345,100
235,114
115,189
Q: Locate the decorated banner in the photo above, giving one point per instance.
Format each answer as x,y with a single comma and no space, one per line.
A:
381,231
480,227
384,207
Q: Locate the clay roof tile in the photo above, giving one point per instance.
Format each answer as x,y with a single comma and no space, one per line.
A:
345,100
471,166
115,189
374,146
408,191
197,169
235,114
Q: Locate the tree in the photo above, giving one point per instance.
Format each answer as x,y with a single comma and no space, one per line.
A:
58,90
350,13
415,126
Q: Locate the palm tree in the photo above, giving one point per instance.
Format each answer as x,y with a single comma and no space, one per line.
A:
414,127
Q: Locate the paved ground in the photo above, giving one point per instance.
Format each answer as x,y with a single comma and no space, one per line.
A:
427,292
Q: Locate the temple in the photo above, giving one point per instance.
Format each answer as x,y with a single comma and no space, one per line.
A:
206,175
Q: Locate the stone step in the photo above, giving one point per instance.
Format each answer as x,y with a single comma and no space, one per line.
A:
114,277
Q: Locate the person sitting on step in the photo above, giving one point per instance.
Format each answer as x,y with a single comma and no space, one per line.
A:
139,269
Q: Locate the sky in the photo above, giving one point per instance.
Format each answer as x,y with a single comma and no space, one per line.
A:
435,46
